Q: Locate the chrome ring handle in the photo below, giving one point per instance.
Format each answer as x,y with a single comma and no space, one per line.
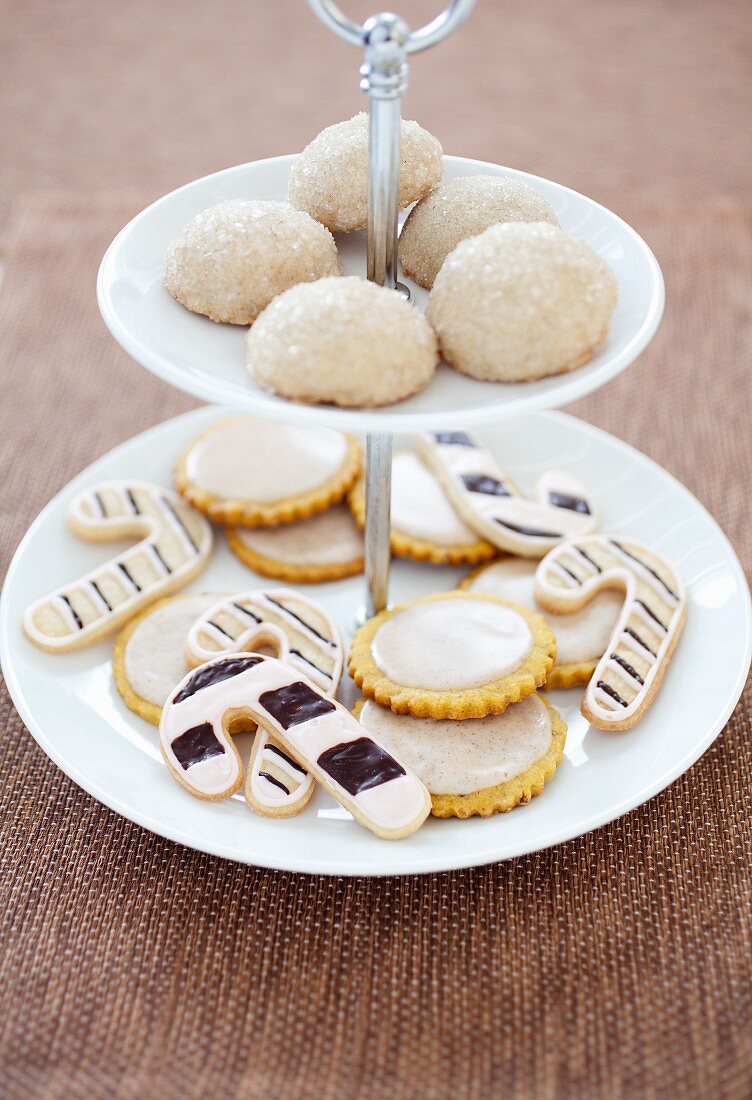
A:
444,23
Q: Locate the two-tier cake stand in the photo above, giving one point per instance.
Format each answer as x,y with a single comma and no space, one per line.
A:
69,702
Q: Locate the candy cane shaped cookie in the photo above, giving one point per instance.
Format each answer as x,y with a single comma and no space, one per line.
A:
630,671
304,637
175,545
489,502
312,728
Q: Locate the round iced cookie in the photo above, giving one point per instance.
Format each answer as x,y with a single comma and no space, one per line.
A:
329,180
231,260
452,655
425,526
523,300
460,209
148,658
582,637
246,470
326,547
343,341
478,766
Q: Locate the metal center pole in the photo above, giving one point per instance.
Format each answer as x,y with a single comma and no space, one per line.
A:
386,42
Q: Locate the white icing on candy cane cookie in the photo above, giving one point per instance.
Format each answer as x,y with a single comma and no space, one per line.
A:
488,501
175,545
305,637
630,671
312,728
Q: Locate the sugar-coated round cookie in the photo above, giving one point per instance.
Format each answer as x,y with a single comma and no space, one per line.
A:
247,470
476,766
231,260
329,180
344,341
460,209
326,547
523,300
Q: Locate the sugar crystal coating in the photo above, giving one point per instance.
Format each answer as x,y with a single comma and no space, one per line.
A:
523,300
344,341
460,209
329,180
232,259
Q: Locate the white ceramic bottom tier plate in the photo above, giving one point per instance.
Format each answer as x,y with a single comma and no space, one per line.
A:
70,704
208,359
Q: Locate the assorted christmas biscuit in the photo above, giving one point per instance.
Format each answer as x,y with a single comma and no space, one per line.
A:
425,526
634,663
581,636
495,508
246,470
326,547
477,766
175,545
452,655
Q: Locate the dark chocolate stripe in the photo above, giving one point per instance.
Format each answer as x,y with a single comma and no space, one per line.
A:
76,617
359,765
210,622
308,662
132,501
461,439
312,629
530,531
289,759
101,595
294,704
644,565
629,669
569,572
100,502
633,634
161,557
649,611
207,675
270,779
614,694
564,500
586,556
180,523
123,569
245,611
197,744
483,483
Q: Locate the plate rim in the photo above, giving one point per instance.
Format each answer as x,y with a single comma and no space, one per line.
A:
569,387
420,864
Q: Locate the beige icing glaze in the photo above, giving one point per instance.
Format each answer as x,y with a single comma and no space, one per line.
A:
420,507
581,636
247,458
451,644
154,661
326,539
462,757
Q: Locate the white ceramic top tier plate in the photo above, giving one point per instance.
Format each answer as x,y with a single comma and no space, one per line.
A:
208,360
70,704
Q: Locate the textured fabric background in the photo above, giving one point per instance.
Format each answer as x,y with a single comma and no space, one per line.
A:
618,965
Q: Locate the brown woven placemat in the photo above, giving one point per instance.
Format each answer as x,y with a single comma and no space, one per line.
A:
617,965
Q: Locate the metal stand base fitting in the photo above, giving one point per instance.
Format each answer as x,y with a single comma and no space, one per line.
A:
386,42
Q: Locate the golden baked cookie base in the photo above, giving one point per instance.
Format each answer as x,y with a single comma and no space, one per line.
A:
248,513
422,550
580,361
491,698
514,792
291,572
142,707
